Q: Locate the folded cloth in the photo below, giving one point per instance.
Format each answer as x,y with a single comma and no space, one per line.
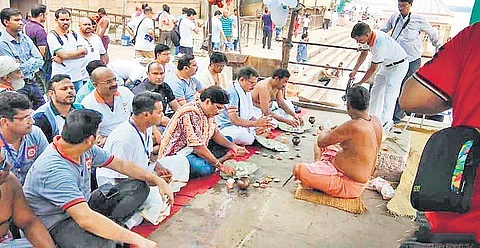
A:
324,176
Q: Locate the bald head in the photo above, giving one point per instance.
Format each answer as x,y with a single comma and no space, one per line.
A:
85,25
155,73
104,81
101,74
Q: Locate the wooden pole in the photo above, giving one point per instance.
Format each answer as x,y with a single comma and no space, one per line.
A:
238,28
209,28
287,42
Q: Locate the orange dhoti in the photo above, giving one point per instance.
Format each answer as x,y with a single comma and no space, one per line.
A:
322,175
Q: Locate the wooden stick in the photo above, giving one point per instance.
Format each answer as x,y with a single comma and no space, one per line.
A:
179,181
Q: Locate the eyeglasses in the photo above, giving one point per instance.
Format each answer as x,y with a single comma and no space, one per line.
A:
109,81
403,5
219,107
344,98
24,118
219,65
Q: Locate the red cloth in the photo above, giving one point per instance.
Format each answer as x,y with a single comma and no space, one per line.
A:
187,193
453,75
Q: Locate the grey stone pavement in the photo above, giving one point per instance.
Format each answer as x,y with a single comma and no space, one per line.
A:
272,217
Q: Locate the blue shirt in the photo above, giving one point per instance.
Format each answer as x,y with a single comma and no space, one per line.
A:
84,91
31,146
226,26
267,22
183,89
57,182
302,53
222,118
24,50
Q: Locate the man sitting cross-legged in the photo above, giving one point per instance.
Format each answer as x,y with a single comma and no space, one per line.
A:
133,139
15,209
236,120
114,102
272,89
345,155
191,129
50,117
57,188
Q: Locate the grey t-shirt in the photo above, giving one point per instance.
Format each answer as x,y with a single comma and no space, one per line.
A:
56,182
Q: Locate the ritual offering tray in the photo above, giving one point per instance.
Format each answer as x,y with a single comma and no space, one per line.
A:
243,169
301,129
272,144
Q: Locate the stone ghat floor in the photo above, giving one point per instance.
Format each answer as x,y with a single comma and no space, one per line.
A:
273,218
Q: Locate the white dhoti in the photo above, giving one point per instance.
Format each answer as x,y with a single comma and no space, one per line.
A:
385,91
240,135
275,109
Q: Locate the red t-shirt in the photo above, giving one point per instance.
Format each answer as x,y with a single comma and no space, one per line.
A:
454,75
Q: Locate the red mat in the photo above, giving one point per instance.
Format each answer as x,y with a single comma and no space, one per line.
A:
199,186
186,194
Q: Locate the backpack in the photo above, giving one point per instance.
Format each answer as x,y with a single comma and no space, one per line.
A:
47,66
176,34
446,173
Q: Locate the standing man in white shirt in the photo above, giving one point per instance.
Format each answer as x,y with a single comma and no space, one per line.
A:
145,36
187,27
93,43
390,60
66,48
406,27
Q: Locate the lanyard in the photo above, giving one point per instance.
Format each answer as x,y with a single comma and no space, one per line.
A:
403,27
17,163
141,138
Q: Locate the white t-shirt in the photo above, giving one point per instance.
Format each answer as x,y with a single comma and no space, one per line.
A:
187,28
170,69
217,27
128,69
234,26
141,43
95,48
385,49
122,108
70,44
306,22
124,142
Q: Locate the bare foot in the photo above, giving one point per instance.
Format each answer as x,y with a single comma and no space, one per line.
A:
227,156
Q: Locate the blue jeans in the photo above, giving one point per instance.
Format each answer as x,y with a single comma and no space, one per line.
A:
177,50
199,167
216,46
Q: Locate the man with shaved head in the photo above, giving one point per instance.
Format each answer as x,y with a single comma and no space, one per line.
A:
155,83
114,102
93,43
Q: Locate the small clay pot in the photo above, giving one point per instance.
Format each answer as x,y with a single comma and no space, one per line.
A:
243,183
311,119
296,140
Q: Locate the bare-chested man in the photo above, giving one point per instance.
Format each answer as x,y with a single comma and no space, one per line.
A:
15,208
345,155
272,89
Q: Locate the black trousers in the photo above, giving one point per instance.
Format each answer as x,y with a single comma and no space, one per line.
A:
267,39
118,203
